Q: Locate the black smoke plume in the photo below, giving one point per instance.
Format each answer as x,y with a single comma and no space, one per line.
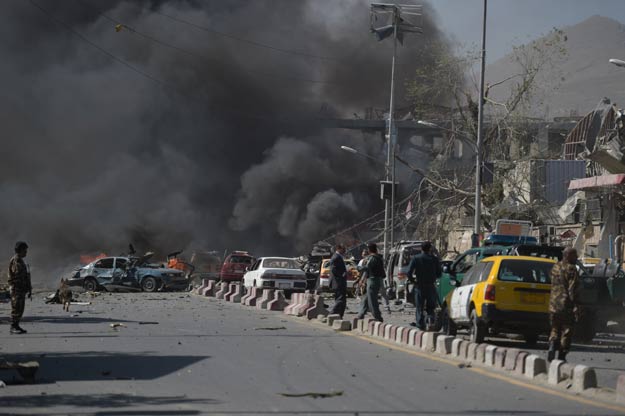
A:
122,123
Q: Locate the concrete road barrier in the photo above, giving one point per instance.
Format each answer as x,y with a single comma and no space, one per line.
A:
296,299
387,331
472,352
510,360
405,335
519,366
278,303
203,286
455,347
443,344
428,342
500,357
341,325
412,338
209,290
584,378
268,296
535,366
318,308
235,295
399,332
255,294
306,303
223,289
354,321
489,355
332,318
232,287
480,353
555,374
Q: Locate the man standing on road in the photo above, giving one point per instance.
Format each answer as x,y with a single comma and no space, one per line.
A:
20,286
425,268
373,272
563,304
338,281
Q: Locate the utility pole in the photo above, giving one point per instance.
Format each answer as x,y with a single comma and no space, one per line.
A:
477,224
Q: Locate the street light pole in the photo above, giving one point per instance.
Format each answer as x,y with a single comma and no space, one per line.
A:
390,156
477,227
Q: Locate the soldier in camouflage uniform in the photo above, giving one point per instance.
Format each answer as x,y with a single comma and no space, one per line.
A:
563,304
19,283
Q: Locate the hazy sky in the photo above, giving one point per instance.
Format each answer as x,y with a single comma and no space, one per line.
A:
512,22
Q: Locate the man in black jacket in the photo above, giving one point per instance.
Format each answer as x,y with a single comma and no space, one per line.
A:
338,281
373,272
425,268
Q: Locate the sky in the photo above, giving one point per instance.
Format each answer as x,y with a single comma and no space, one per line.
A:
514,22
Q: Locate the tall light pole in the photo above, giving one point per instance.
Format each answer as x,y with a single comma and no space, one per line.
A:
477,226
399,25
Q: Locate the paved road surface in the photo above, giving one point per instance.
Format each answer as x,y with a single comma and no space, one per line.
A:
606,353
179,354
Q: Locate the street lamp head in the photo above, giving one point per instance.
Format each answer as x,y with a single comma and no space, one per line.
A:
618,62
428,124
349,149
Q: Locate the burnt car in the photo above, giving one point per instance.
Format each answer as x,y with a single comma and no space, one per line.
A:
128,273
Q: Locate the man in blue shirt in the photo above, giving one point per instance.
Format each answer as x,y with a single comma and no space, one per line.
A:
425,268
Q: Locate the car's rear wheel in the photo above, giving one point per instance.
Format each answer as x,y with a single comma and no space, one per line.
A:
477,331
149,284
90,284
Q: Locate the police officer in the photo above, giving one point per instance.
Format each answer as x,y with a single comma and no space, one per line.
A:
338,281
425,268
373,272
563,304
20,286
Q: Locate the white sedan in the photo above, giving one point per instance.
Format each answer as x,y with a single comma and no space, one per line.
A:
275,273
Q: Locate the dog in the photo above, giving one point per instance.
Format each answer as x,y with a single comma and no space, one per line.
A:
65,295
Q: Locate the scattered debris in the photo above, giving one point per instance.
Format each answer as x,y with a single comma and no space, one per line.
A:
117,325
314,395
26,370
270,328
147,323
80,303
463,365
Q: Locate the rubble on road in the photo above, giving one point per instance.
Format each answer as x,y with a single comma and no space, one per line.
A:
26,369
314,395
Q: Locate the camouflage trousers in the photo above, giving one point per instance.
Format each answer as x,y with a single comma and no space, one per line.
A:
562,329
18,302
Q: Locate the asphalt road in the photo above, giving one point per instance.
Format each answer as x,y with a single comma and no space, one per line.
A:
606,353
179,354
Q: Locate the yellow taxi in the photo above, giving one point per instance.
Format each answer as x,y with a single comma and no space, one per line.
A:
352,275
501,294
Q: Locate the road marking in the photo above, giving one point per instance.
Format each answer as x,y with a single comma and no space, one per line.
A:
539,388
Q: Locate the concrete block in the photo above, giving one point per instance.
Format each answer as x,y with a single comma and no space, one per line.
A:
379,332
534,366
555,374
223,289
393,335
387,331
428,342
307,302
489,355
317,308
405,334
472,351
500,357
584,378
464,349
256,293
237,295
278,303
412,338
399,334
620,388
566,371
341,325
232,287
519,366
480,353
372,328
455,347
418,343
354,322
268,296
332,318
203,286
295,300
363,324
443,344
209,290
511,356
322,318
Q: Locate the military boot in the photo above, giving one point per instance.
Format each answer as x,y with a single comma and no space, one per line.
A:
551,354
16,329
562,355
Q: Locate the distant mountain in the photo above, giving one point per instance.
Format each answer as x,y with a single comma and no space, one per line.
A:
588,76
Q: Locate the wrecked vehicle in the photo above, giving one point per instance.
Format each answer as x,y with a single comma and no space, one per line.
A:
128,273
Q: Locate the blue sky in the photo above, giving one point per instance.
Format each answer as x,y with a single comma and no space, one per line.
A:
512,22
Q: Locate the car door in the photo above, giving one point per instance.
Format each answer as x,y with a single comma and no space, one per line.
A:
252,274
462,294
103,269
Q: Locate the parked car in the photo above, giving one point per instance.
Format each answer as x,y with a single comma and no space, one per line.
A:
501,294
128,273
324,275
276,273
234,266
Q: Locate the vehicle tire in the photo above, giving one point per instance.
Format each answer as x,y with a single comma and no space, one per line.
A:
531,339
90,284
149,284
448,325
477,331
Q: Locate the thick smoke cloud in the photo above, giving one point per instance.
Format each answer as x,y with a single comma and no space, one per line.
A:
213,146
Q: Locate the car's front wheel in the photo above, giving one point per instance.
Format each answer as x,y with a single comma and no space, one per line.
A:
149,284
90,284
477,331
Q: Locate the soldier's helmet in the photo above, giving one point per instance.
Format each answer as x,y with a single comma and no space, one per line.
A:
20,245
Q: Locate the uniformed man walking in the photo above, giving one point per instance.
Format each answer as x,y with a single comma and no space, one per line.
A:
425,268
338,281
563,304
373,272
20,286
